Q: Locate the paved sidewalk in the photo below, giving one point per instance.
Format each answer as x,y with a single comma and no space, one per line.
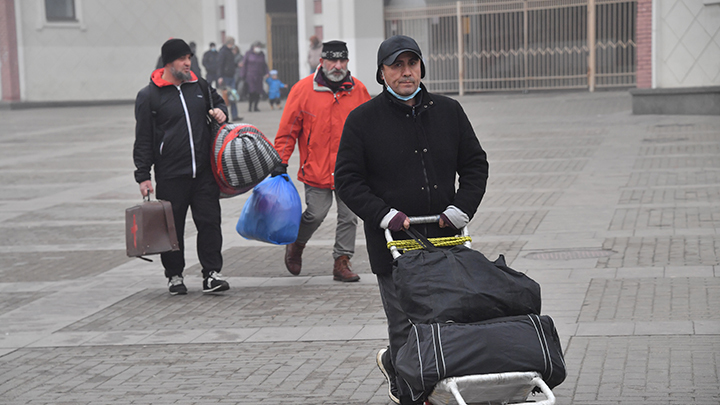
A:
617,216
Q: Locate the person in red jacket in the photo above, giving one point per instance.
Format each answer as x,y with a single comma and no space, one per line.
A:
314,116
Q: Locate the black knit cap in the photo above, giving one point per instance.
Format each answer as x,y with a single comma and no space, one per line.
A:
333,50
173,49
391,48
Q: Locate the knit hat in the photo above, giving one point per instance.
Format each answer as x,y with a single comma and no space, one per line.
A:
391,48
174,48
333,50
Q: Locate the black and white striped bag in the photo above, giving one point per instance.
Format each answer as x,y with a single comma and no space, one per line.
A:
242,158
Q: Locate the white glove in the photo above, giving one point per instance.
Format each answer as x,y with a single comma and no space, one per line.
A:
457,218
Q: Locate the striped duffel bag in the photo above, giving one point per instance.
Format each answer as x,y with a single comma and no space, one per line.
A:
242,158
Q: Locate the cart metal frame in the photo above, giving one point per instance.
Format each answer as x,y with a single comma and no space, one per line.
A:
487,389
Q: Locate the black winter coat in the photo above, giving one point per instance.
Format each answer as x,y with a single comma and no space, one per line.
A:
395,156
226,62
165,141
211,62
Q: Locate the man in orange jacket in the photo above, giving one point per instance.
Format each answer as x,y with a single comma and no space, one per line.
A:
314,116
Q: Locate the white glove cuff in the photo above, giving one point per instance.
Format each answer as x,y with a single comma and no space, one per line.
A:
385,222
458,218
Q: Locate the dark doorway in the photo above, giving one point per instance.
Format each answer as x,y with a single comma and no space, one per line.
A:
283,39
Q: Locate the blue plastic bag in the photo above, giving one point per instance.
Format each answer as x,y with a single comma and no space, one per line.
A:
272,213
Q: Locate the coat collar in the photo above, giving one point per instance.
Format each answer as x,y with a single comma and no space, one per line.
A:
320,83
156,78
426,101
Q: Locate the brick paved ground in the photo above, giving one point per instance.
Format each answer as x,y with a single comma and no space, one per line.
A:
615,215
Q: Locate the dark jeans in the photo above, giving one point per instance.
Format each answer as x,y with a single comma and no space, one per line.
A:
202,196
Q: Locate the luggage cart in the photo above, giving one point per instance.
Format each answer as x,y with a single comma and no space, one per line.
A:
489,389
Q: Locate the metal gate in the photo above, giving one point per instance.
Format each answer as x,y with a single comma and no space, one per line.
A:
283,46
507,45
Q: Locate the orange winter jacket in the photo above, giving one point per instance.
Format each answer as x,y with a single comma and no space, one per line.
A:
314,118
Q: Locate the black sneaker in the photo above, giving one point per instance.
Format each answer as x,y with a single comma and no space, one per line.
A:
215,283
176,285
385,366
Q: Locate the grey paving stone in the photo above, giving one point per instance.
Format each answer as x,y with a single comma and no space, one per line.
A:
109,233
268,261
506,223
670,196
57,265
641,369
530,181
152,309
520,199
84,324
662,251
666,218
651,299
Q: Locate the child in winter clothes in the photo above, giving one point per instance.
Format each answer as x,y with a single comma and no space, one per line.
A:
274,86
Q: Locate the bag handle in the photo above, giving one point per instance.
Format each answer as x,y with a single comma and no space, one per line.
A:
212,105
421,239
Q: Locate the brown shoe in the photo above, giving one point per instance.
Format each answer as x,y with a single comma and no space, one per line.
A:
342,270
293,257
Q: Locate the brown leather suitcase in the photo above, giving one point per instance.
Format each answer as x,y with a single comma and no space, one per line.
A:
150,229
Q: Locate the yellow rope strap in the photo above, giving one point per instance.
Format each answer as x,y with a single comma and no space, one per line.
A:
411,244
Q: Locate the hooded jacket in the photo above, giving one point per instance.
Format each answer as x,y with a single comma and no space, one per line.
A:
395,156
175,141
313,117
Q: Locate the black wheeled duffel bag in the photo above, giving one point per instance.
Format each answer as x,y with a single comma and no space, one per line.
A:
519,343
461,285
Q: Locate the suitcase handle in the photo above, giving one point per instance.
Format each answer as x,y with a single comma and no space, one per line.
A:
429,219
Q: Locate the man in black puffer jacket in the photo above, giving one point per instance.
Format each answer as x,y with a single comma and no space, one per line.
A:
399,156
172,138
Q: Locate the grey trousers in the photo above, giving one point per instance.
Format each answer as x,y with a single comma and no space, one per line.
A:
318,202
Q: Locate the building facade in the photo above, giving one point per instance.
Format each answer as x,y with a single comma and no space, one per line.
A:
91,50
678,57
103,51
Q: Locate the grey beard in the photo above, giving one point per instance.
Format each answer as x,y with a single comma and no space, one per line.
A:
336,75
180,75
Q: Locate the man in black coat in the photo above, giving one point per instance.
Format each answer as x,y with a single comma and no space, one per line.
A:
173,139
399,156
226,72
211,62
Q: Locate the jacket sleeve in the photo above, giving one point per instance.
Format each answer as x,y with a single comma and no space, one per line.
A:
291,124
472,168
351,174
144,126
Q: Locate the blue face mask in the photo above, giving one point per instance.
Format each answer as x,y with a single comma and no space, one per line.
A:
403,98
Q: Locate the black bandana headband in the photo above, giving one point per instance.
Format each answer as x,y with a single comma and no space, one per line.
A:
334,50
